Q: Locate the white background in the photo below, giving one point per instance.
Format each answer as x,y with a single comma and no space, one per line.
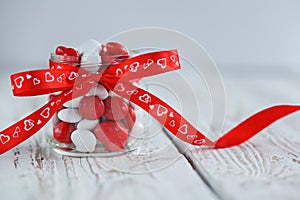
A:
243,34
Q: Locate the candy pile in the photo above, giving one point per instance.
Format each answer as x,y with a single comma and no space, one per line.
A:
100,117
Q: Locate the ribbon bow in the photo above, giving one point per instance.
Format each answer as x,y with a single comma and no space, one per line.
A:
75,82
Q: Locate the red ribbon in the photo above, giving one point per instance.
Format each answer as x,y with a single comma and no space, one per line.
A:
75,82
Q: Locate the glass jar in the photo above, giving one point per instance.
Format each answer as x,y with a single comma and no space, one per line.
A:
101,123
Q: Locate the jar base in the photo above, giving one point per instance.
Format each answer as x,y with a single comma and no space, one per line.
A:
69,150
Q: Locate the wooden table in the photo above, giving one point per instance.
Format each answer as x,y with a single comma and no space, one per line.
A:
267,167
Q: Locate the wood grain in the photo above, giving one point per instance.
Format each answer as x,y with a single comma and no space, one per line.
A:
267,167
33,171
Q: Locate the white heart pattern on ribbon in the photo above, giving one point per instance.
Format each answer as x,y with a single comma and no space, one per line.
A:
61,78
151,107
16,132
183,129
191,137
162,62
49,77
19,81
28,124
58,101
78,87
161,110
134,66
45,113
119,72
173,58
148,63
131,92
72,76
171,114
172,123
4,138
199,142
36,81
28,76
145,98
68,92
120,87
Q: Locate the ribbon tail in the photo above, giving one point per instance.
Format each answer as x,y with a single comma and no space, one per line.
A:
163,113
186,132
254,124
26,127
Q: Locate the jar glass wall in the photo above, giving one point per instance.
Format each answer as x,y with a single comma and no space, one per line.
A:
100,123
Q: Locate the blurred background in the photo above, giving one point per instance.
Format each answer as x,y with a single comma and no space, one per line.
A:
237,34
248,40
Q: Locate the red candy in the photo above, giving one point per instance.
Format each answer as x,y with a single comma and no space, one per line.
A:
115,48
119,116
55,120
106,57
70,54
115,108
112,53
113,135
62,132
91,107
130,118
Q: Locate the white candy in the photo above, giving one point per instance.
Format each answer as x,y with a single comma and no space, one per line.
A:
90,50
74,103
89,46
99,91
69,115
87,124
84,140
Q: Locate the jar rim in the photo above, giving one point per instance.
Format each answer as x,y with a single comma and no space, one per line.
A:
78,60
84,60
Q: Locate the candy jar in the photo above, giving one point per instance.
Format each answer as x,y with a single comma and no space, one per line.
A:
100,123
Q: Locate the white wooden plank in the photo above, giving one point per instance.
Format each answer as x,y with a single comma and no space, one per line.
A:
34,171
268,166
